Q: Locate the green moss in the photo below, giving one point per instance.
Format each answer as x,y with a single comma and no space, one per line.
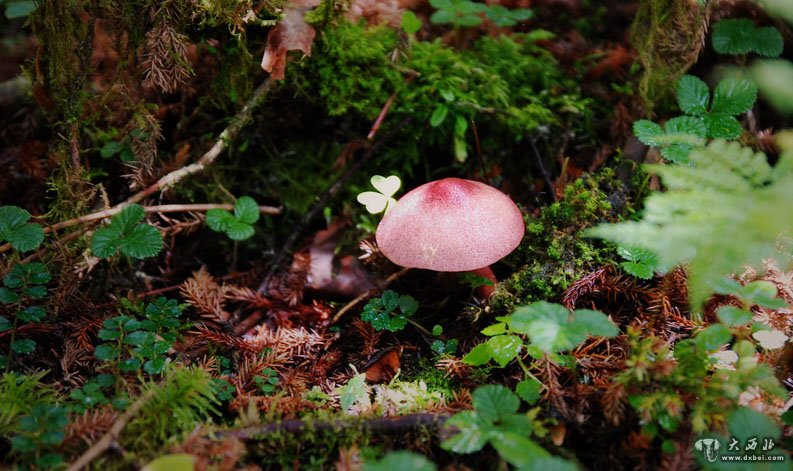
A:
553,253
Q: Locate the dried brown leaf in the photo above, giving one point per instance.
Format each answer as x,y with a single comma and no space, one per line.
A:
292,33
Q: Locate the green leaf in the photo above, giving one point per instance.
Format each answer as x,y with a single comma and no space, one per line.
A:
768,42
438,116
504,348
495,329
549,463
713,337
504,17
746,423
763,293
733,36
641,262
594,323
26,237
142,241
11,217
479,355
172,462
237,230
733,96
472,435
129,365
23,346
517,449
105,242
128,218
494,402
389,300
5,324
410,22
7,296
31,314
401,460
437,330
19,9
110,149
353,392
722,126
733,316
139,337
246,210
105,352
692,95
408,305
647,131
154,366
686,125
218,219
127,154
529,390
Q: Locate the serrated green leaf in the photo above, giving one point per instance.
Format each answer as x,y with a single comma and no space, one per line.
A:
129,365
12,217
713,337
31,314
692,95
237,230
438,116
639,270
479,355
128,218
732,316
8,296
472,435
686,125
105,352
733,36
139,338
219,219
504,17
408,305
677,153
768,42
142,241
26,237
154,366
246,210
504,348
105,242
529,390
23,346
493,402
647,131
5,324
389,300
733,96
722,126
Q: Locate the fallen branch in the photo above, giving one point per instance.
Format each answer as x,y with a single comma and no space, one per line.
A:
112,435
381,425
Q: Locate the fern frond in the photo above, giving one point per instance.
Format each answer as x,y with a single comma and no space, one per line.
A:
18,394
726,210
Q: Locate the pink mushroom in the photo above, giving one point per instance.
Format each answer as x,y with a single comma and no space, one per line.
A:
452,225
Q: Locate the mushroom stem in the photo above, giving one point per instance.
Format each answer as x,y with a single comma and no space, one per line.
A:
485,291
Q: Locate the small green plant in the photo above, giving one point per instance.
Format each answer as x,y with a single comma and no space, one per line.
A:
400,460
381,200
705,118
640,263
127,234
17,231
25,282
132,343
550,328
92,393
266,381
739,36
390,311
440,346
466,13
744,197
495,420
239,225
40,432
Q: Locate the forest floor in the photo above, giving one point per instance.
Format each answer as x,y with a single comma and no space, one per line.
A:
190,195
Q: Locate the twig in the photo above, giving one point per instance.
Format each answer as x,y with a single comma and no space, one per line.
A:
229,134
545,175
381,117
392,278
380,424
111,436
163,208
322,201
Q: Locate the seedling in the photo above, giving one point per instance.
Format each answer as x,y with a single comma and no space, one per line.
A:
22,284
239,225
127,234
639,262
390,311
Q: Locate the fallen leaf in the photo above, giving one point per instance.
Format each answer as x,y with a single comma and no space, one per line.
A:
292,33
383,366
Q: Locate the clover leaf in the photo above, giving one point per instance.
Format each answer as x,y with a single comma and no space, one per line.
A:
127,234
239,225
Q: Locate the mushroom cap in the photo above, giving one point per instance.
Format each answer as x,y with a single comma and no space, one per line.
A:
451,225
